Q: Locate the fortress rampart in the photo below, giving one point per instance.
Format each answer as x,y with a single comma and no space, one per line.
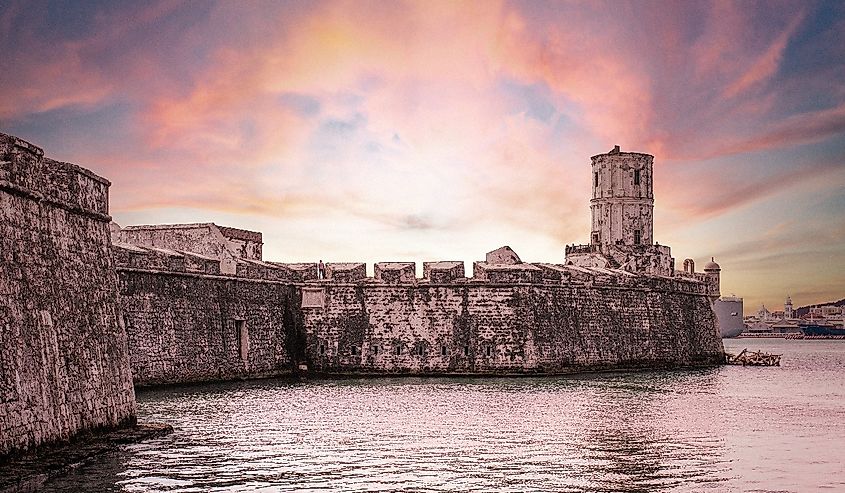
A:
187,322
546,325
64,363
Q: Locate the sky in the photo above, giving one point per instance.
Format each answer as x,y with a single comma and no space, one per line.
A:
429,130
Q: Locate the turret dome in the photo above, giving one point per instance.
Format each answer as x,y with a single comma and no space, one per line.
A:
712,265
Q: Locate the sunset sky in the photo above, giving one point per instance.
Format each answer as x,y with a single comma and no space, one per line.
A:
377,131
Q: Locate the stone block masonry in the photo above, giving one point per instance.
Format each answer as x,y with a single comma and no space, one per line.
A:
64,366
609,321
190,327
187,322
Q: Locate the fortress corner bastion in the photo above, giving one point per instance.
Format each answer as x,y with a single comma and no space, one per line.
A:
64,365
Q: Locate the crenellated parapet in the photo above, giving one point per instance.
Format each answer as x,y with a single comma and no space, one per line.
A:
346,272
444,273
230,246
24,171
165,260
395,272
506,273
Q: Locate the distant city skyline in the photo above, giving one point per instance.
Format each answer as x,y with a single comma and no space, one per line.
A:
380,131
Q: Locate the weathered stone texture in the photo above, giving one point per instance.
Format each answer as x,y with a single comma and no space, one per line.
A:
622,225
477,328
506,273
395,272
63,365
346,272
443,271
186,327
503,255
229,245
623,198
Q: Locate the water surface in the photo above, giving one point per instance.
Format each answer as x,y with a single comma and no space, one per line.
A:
722,429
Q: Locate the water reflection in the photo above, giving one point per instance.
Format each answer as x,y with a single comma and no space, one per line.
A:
635,432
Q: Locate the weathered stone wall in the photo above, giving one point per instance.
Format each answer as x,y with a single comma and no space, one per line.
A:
623,198
192,327
63,361
228,245
575,319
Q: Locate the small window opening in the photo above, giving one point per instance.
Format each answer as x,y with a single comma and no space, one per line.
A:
398,349
595,180
443,351
322,348
636,177
637,237
421,350
375,350
489,351
466,350
354,350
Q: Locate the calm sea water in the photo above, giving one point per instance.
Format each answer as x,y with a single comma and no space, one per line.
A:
722,430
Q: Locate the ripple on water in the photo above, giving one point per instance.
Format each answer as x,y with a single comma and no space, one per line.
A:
725,429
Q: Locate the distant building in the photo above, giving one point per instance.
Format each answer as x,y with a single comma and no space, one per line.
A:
773,322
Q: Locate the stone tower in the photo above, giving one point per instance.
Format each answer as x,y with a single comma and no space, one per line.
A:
623,199
622,226
787,307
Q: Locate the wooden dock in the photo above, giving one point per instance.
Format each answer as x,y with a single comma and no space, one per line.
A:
753,358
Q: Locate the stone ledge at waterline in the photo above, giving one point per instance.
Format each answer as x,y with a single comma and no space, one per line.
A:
28,471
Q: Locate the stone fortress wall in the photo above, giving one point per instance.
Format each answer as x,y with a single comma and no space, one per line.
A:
196,302
616,303
190,322
187,322
511,318
63,363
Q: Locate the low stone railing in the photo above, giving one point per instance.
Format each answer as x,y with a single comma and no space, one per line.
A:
582,249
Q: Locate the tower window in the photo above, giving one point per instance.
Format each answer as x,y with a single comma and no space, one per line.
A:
637,237
596,180
636,177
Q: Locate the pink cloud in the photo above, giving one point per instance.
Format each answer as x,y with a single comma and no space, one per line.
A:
766,64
